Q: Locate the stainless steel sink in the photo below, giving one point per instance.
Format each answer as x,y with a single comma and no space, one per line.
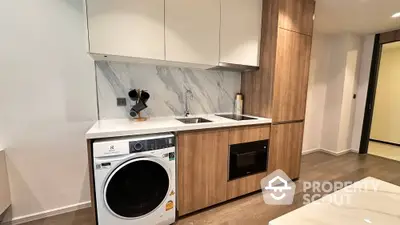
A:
193,120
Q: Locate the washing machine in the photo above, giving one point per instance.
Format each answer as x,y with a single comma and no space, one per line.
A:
134,180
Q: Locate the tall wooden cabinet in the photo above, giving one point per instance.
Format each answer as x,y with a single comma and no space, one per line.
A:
279,89
297,15
291,76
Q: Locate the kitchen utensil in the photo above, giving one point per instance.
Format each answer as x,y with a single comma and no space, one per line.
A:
133,95
139,106
144,96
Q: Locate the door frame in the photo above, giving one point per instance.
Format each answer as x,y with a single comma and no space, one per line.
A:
380,40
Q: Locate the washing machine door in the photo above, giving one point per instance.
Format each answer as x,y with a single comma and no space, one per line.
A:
137,187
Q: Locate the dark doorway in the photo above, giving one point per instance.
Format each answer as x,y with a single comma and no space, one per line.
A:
380,40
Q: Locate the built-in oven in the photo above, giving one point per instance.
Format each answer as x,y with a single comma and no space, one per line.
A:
248,158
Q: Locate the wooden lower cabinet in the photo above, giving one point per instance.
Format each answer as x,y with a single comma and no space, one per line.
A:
202,169
248,134
203,158
285,148
244,185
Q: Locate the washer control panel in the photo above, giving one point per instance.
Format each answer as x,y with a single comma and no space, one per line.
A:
151,144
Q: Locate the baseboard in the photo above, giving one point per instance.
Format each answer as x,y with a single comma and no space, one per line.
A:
331,152
308,151
336,153
47,213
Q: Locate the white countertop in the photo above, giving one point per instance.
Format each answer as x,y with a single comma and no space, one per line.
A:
378,202
128,127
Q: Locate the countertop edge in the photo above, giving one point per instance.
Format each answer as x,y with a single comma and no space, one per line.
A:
111,134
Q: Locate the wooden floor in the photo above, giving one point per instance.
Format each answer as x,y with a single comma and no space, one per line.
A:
252,210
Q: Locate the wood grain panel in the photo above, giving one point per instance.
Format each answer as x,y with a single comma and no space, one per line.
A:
388,37
89,144
257,85
244,185
202,169
248,134
297,15
285,148
291,76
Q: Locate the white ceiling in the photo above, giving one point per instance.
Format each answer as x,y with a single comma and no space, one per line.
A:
356,16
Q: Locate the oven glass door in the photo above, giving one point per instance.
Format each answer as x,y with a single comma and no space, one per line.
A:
248,158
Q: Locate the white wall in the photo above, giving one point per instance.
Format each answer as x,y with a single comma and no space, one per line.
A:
48,101
334,93
353,49
362,89
335,63
319,69
385,122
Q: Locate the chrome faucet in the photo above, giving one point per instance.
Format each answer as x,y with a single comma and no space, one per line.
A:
188,94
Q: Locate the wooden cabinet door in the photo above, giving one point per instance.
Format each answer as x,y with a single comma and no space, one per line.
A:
240,31
246,134
291,76
244,185
131,28
202,169
285,148
192,31
297,15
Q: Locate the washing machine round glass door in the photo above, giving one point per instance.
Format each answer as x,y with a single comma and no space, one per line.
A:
136,188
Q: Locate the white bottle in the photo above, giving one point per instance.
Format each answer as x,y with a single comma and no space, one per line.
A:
239,104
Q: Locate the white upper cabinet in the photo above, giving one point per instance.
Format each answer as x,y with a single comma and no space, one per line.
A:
129,28
196,33
240,31
192,31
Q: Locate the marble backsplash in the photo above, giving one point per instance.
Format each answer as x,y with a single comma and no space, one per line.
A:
213,91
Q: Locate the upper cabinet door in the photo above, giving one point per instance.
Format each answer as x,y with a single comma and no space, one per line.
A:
297,15
132,28
240,31
291,76
192,31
